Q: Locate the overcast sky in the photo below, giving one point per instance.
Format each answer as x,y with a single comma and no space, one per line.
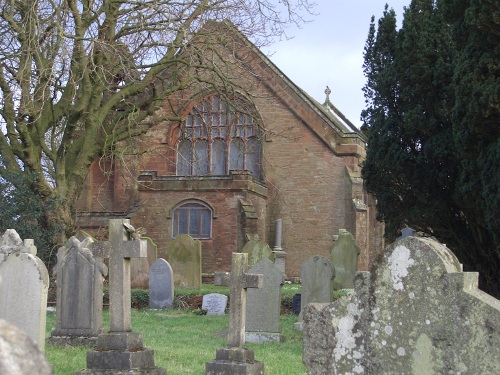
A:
329,51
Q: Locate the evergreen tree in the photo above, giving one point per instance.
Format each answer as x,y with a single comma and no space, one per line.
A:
22,209
432,121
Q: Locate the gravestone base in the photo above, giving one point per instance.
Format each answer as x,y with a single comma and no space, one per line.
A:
153,371
72,341
299,326
121,353
260,337
234,361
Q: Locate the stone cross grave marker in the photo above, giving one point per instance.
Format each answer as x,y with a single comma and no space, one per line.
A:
235,359
120,349
119,249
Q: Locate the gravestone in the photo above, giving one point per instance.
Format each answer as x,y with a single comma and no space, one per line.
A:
184,255
120,350
161,285
264,305
316,277
79,294
24,287
344,257
140,267
19,355
235,359
414,313
256,250
214,303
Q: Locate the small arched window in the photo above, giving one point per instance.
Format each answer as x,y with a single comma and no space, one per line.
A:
193,218
217,138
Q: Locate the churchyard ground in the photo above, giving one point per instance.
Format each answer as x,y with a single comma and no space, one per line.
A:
184,341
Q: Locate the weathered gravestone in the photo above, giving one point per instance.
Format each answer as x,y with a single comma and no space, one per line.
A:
140,267
415,313
316,277
79,294
235,359
24,287
344,256
120,351
161,285
256,250
19,355
184,255
264,305
214,303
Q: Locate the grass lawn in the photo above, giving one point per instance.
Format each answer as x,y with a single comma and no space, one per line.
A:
183,342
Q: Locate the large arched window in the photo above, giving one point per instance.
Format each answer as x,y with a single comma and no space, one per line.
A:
193,218
216,138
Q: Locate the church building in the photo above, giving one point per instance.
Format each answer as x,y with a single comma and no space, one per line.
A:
233,163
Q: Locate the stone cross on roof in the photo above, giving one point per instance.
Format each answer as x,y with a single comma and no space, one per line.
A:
119,249
238,281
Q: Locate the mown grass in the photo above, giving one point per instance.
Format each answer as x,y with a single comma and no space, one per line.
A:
184,342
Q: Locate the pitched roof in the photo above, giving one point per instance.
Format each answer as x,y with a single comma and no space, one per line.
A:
334,129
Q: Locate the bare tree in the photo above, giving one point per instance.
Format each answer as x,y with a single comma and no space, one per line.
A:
78,76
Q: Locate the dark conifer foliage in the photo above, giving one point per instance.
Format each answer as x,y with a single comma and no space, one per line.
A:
433,126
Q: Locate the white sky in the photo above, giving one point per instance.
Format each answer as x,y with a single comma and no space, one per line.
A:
329,51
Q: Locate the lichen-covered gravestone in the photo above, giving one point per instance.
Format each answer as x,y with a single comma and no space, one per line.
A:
344,256
184,255
316,277
24,287
256,250
415,313
264,305
79,294
161,285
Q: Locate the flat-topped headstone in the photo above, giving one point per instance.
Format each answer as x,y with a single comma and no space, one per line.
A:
344,257
214,303
316,277
414,313
235,359
184,255
24,287
264,305
79,294
120,350
161,285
